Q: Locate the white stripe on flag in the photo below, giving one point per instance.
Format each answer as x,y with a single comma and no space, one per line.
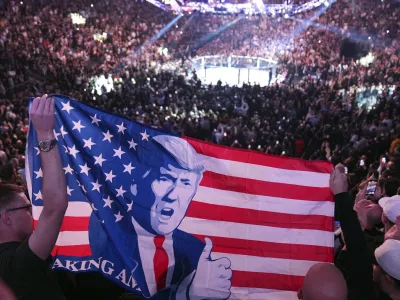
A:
257,233
264,203
242,293
75,209
264,173
281,266
70,238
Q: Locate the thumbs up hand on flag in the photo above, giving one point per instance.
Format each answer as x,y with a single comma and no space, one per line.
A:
213,277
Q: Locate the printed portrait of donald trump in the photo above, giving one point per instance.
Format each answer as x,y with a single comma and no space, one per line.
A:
170,263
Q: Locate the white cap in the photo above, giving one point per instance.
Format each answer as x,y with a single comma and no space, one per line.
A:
391,207
183,152
388,257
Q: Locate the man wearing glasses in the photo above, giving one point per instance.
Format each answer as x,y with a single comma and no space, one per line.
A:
24,253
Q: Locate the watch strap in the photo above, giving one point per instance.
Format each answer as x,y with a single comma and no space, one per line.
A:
47,145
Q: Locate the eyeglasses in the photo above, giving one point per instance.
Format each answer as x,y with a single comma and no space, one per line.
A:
29,206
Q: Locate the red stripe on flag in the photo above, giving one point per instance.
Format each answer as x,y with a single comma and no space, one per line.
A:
76,250
268,249
257,217
258,158
72,224
267,281
264,188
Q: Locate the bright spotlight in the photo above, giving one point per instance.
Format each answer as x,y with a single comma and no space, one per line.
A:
319,41
326,3
369,37
387,31
91,5
286,16
22,3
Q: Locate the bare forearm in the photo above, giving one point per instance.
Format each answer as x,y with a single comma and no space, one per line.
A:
54,187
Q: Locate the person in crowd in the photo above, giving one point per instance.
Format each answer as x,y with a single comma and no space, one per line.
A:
362,275
24,252
391,210
323,281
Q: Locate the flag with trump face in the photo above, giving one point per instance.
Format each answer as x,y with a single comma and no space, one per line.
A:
170,217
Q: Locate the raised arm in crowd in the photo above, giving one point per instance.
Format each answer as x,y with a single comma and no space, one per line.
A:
24,253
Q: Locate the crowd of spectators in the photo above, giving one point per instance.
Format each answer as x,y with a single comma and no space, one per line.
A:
316,114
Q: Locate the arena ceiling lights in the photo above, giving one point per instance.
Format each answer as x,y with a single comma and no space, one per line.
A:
252,7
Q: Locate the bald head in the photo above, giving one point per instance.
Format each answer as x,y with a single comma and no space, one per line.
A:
323,281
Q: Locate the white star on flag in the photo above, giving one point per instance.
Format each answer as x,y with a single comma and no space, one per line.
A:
62,131
77,126
96,186
68,169
107,202
120,192
95,120
145,136
128,168
66,149
94,208
99,160
39,195
39,173
118,152
69,191
118,217
56,134
107,136
85,169
109,176
121,128
129,206
88,143
73,151
132,144
37,149
67,107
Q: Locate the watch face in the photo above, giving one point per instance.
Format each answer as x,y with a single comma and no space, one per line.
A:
44,146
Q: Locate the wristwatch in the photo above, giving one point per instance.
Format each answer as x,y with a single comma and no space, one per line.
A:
47,145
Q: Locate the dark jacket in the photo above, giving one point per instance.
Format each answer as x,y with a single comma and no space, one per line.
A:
359,278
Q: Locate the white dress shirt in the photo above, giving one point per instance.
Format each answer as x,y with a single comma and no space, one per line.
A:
147,250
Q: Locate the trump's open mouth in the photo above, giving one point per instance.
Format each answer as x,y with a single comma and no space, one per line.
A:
168,212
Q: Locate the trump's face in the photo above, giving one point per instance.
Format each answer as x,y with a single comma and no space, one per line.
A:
170,192
173,189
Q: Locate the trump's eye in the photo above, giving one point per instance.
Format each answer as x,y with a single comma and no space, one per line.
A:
187,183
164,178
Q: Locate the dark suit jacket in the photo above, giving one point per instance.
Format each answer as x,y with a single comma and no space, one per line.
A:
125,255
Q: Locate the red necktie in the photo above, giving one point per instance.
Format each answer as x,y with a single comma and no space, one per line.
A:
160,262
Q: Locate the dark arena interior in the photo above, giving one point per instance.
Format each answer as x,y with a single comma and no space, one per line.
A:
307,82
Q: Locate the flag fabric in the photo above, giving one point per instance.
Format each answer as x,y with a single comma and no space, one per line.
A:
142,204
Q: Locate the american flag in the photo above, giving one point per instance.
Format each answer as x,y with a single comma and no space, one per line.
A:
272,217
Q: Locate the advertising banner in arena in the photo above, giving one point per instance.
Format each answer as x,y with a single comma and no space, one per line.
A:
170,217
